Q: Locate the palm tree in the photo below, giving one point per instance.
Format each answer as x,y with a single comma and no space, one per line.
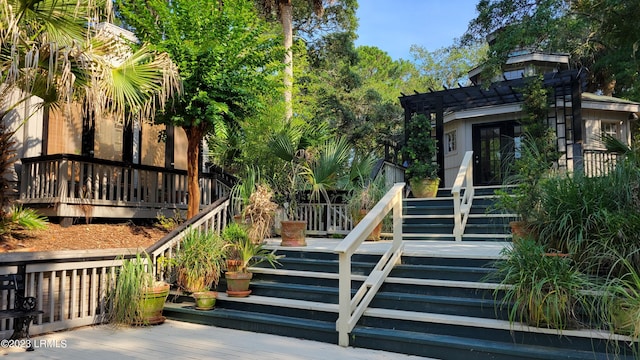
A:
48,50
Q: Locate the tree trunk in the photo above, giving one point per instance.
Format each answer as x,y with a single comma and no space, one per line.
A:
286,14
194,136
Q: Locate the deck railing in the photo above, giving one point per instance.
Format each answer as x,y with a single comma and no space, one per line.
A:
70,286
351,309
462,204
75,183
599,162
213,218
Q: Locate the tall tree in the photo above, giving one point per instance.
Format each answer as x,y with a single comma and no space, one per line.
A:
597,34
295,16
226,56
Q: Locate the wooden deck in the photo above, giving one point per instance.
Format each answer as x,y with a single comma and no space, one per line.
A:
179,340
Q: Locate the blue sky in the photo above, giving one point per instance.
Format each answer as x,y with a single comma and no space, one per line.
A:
394,26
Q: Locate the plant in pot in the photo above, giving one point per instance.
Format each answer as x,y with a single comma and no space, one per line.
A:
241,254
365,193
420,151
540,290
199,263
288,182
242,190
134,297
536,158
259,213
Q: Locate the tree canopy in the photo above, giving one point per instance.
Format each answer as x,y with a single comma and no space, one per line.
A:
596,33
227,57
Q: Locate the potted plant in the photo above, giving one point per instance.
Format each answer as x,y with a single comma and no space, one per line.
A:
537,156
134,296
241,254
363,196
242,190
199,263
259,213
540,290
419,152
286,146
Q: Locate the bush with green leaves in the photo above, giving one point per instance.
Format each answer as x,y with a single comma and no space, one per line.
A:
199,261
240,247
126,289
421,149
596,219
540,289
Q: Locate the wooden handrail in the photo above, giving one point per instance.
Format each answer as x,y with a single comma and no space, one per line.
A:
351,309
462,205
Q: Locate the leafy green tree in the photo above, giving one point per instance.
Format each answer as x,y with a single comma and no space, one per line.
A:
226,55
597,34
447,66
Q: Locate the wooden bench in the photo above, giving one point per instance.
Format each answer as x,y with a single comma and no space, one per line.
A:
24,307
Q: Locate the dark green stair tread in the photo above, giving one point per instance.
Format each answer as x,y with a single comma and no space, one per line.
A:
444,346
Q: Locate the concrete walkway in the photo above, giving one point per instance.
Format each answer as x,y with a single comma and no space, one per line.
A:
179,340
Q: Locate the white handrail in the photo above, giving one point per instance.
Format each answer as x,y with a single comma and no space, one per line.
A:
214,220
350,310
462,206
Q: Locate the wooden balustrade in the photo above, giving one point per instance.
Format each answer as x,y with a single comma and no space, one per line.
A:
75,186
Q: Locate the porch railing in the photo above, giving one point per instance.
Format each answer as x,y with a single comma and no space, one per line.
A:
462,203
599,162
72,180
351,309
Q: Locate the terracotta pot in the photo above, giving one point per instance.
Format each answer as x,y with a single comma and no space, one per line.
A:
424,188
152,304
294,233
238,283
205,300
233,265
375,234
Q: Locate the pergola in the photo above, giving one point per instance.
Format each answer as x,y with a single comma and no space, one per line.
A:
565,115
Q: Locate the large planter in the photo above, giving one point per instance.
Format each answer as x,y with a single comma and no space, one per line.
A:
293,233
153,301
424,188
205,300
375,234
238,283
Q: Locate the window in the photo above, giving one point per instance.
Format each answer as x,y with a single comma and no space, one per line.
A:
611,128
450,141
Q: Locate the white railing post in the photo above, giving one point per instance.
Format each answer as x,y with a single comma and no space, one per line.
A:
351,309
344,298
397,221
462,206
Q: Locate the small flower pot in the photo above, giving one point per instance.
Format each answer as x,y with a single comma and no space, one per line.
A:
238,283
205,300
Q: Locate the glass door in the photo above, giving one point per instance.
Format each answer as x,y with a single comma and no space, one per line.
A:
493,151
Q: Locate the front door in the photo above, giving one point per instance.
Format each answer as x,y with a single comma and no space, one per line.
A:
493,151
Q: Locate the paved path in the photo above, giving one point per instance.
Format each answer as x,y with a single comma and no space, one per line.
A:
179,340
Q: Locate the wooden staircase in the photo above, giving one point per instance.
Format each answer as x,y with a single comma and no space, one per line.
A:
434,305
